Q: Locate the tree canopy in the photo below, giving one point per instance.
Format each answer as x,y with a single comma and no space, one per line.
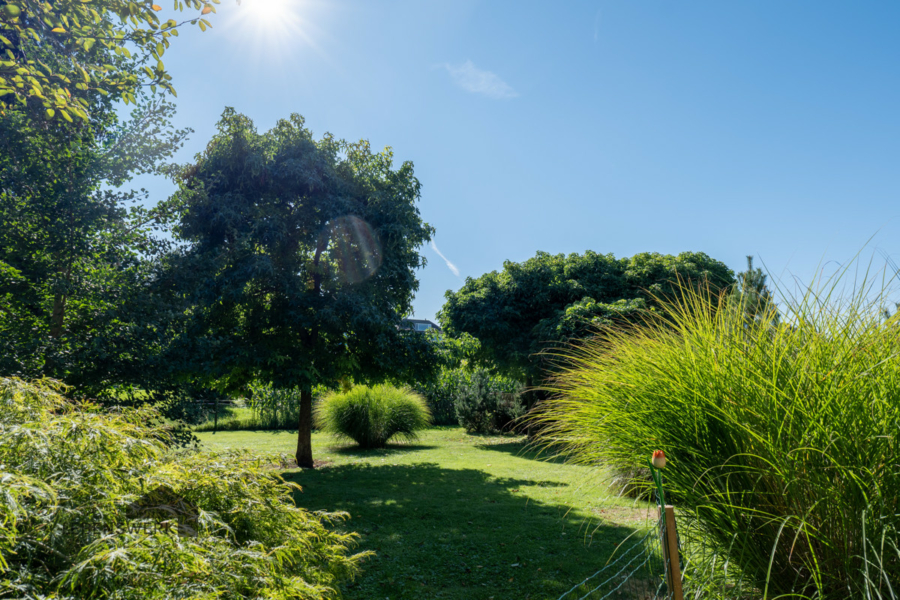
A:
551,299
301,260
76,254
59,54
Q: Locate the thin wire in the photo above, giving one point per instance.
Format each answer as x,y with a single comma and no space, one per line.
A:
640,545
624,581
607,566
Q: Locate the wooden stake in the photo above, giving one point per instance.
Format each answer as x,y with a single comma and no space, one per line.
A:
669,538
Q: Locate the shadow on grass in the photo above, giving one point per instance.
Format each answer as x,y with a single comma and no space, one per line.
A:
524,449
352,449
457,533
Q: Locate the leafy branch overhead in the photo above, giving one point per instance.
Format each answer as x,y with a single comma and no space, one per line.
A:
58,54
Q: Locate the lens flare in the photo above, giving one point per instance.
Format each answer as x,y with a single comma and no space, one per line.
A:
354,249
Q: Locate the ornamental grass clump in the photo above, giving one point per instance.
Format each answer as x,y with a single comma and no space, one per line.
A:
783,435
97,504
371,416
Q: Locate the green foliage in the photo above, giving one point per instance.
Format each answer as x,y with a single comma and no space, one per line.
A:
550,300
79,268
756,298
782,435
58,55
453,352
440,390
586,317
268,408
300,261
486,403
97,505
440,393
275,408
237,418
371,416
475,398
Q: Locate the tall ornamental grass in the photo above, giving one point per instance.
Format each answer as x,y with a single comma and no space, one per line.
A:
783,435
274,408
371,416
97,504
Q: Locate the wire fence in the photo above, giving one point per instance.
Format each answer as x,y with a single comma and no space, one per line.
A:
640,570
636,570
652,566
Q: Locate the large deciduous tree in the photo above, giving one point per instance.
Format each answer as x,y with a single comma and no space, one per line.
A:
302,257
548,300
82,293
75,251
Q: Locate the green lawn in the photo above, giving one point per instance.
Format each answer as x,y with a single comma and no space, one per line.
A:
459,516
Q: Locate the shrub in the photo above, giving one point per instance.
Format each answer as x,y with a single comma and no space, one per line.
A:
485,403
441,393
97,505
440,390
371,416
783,437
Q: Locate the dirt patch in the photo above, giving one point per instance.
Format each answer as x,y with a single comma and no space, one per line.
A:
624,513
285,462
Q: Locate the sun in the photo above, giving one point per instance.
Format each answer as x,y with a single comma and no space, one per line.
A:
272,29
271,12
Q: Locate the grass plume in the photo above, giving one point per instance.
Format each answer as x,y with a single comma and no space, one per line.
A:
783,433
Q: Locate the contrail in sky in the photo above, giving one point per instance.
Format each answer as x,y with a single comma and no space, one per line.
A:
450,265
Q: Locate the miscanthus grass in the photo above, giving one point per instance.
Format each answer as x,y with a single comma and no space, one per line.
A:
372,416
782,432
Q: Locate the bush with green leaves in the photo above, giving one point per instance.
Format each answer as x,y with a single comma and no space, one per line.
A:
98,505
782,435
440,389
440,393
487,403
372,416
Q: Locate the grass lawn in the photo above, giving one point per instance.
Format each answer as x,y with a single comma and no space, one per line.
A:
459,516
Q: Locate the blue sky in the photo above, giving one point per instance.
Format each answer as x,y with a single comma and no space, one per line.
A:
764,128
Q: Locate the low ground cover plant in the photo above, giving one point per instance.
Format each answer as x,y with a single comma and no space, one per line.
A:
782,434
372,416
98,505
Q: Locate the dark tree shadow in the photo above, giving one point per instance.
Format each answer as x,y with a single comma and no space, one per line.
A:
524,449
352,449
458,533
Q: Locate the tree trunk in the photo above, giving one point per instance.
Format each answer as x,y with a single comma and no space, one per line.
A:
57,317
304,429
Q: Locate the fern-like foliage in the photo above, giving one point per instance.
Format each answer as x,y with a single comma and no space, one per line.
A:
96,504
